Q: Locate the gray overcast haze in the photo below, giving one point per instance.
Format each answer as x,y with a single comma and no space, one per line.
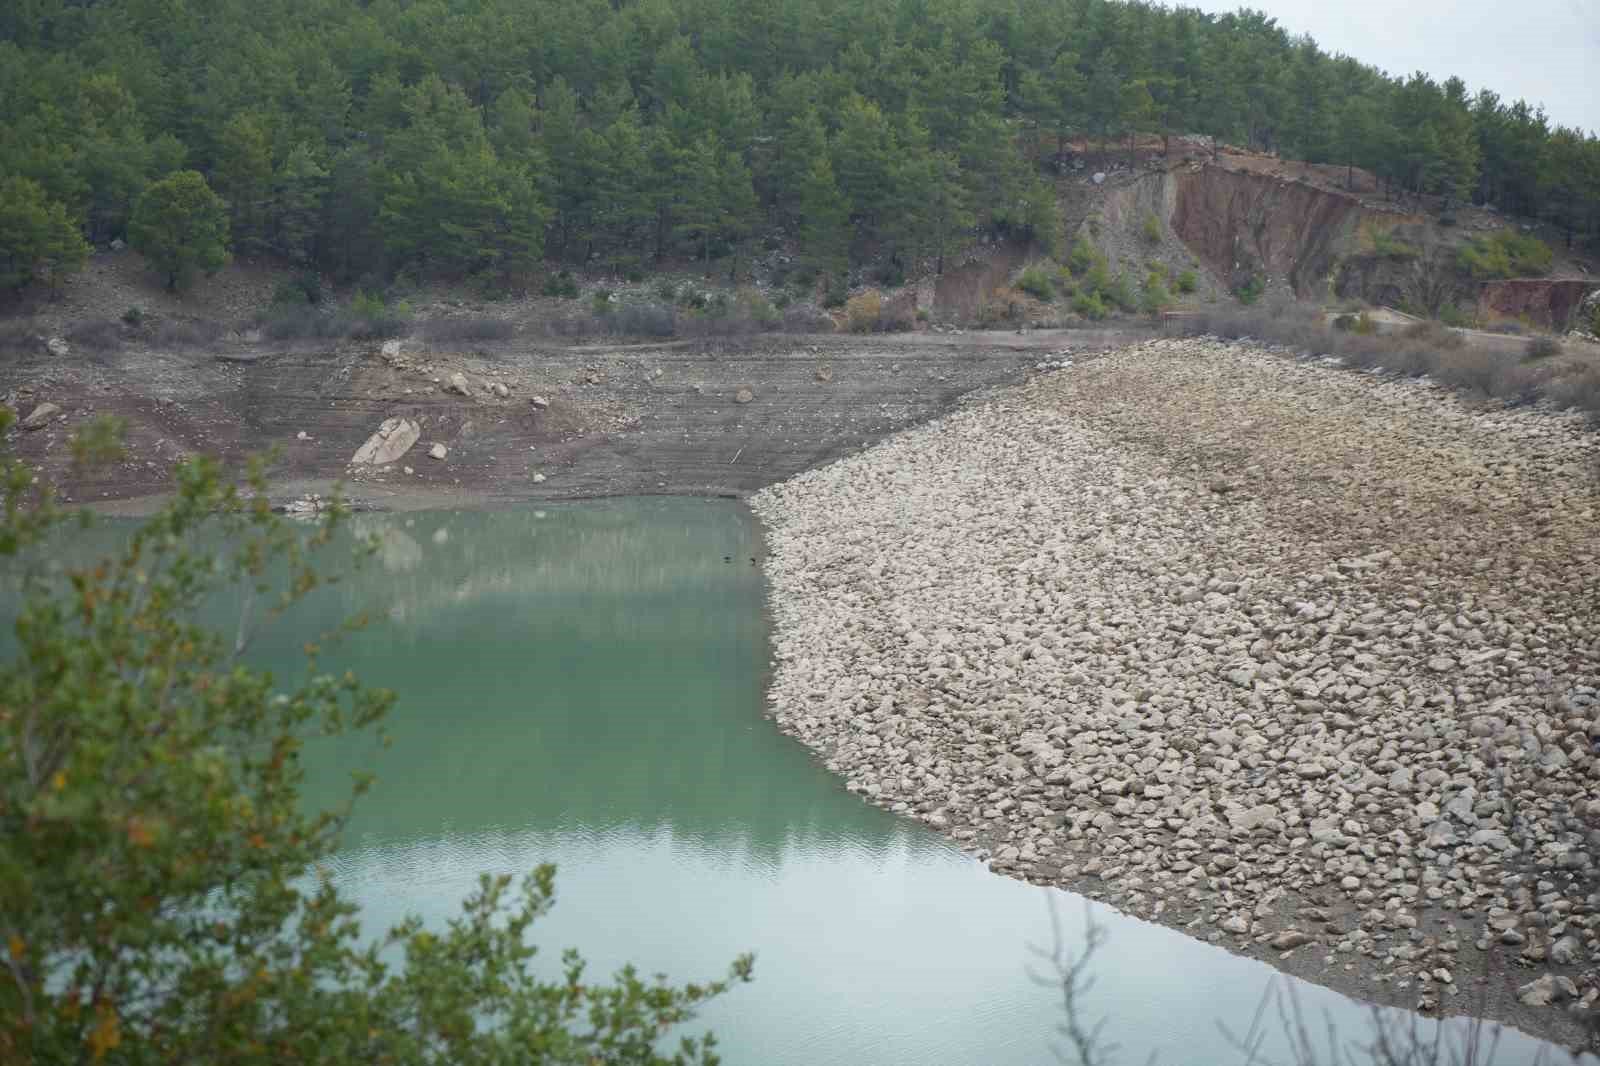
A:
1542,51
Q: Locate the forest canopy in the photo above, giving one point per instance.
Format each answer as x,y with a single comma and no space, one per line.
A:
482,137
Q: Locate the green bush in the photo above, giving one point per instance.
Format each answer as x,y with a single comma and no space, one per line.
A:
1249,290
890,274
1345,323
755,307
1090,306
1036,282
561,285
1506,254
600,302
836,292
1152,228
1452,315
666,291
1188,281
1083,256
1120,292
1155,298
365,304
134,316
304,288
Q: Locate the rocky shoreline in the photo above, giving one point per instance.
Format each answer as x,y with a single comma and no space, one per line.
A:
1300,660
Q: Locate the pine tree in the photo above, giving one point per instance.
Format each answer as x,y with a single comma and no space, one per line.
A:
181,226
37,239
824,219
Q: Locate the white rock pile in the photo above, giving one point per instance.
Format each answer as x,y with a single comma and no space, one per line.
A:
1296,658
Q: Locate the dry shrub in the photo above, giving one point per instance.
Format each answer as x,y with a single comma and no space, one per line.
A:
187,332
468,328
1434,334
1542,348
804,318
898,314
1581,391
1003,307
95,335
861,312
642,320
19,337
1424,349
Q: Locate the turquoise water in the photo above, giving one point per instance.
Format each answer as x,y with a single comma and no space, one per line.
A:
583,685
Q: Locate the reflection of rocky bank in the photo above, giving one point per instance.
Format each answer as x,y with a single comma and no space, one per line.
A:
1299,659
434,558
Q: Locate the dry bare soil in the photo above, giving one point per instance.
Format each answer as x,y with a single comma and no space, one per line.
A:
535,422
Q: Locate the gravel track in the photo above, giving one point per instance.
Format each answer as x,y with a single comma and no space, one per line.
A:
1298,659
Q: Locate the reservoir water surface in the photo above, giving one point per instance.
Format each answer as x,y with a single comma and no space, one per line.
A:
583,685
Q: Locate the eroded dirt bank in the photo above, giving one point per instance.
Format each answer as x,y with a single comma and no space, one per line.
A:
1299,660
532,422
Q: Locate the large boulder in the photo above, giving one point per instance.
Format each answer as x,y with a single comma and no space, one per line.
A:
458,384
393,439
41,416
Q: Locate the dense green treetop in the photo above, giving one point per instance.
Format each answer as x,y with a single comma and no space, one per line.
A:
479,136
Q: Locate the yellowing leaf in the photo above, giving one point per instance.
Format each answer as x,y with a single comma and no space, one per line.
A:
106,1034
59,781
18,948
139,834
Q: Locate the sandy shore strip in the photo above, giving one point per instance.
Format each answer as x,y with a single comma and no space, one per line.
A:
1301,660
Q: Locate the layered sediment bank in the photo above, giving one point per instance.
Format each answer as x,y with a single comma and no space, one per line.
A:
1301,660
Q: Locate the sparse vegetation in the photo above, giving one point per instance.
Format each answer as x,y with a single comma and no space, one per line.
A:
1188,282
95,335
187,332
1504,254
1423,349
1434,334
869,312
1385,245
467,328
1152,229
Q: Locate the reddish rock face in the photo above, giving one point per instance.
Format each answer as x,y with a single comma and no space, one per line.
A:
1547,302
1285,229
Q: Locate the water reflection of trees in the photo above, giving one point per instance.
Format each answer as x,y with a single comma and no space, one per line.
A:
596,669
